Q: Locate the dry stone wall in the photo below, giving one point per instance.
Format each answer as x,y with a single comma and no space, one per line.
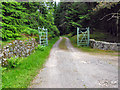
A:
104,45
17,48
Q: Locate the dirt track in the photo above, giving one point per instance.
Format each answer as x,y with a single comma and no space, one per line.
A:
76,69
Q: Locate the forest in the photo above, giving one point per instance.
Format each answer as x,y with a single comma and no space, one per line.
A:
97,16
22,56
20,18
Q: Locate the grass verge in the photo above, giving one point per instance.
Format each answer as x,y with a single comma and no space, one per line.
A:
91,50
23,74
62,44
0,78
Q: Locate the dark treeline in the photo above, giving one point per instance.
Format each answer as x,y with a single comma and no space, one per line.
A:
70,15
22,17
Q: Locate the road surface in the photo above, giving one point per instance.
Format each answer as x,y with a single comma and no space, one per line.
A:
76,69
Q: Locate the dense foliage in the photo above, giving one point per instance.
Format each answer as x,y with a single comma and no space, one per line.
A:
70,15
109,22
22,17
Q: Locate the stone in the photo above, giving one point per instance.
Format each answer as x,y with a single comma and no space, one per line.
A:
0,50
7,50
7,47
13,42
17,48
4,48
11,49
1,55
104,45
28,51
10,44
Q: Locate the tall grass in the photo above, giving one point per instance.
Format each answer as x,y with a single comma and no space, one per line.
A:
0,78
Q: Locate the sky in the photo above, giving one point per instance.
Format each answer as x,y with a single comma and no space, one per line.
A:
57,1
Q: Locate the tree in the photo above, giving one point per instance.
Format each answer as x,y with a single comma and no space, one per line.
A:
22,17
70,15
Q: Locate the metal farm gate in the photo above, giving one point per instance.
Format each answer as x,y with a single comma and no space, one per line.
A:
43,36
83,36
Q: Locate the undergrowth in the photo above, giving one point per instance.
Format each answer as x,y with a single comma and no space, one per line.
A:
23,74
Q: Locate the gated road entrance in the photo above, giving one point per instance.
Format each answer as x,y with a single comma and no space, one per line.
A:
83,36
43,36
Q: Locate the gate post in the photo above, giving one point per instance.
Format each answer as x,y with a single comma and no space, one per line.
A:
88,35
83,36
46,37
77,36
39,35
43,36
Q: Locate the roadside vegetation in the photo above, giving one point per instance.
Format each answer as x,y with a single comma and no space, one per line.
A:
20,21
91,50
0,77
23,74
23,37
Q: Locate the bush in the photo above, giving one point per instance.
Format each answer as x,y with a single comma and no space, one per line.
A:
36,38
74,39
3,69
41,48
69,35
13,62
30,31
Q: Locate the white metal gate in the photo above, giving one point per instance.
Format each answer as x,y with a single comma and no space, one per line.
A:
43,36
